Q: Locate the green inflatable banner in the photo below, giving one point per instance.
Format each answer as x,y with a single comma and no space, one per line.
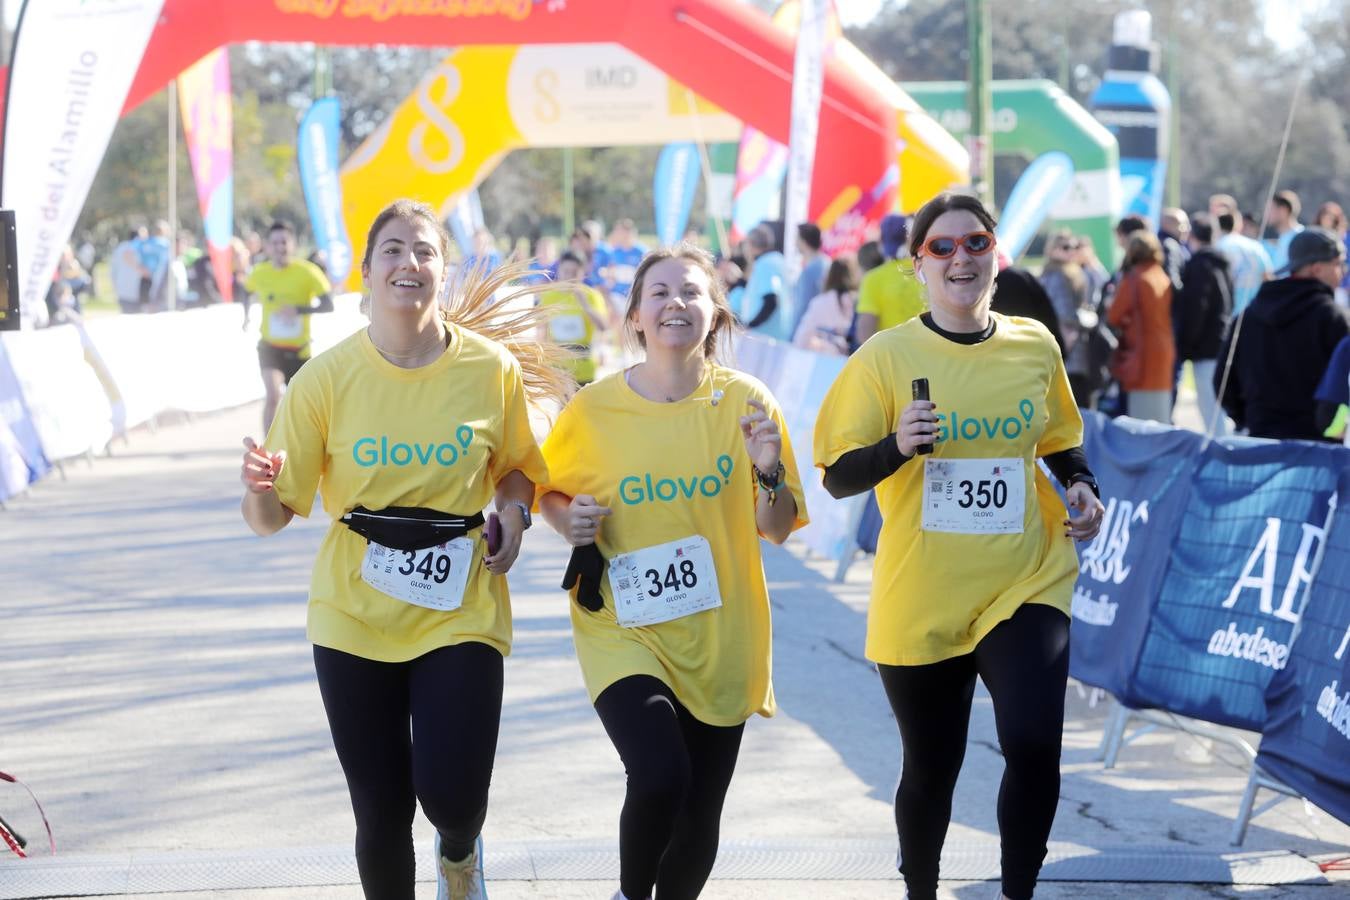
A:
1032,117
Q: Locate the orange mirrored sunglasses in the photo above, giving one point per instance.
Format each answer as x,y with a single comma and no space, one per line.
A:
942,246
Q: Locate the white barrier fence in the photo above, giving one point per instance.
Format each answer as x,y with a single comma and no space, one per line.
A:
68,391
76,387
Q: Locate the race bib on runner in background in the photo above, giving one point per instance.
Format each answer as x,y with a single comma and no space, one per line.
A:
568,329
434,578
668,581
974,496
282,328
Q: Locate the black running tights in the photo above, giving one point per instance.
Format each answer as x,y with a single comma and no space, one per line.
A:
679,770
1024,662
452,697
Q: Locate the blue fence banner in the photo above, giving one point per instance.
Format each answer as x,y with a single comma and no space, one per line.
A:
1221,625
673,189
317,153
1306,739
22,443
1144,473
799,380
465,219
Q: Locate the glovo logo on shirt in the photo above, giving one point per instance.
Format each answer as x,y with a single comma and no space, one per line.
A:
635,489
379,451
955,427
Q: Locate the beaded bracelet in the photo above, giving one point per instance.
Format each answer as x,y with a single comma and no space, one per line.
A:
771,486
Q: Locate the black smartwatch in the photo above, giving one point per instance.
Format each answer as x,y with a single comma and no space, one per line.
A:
524,508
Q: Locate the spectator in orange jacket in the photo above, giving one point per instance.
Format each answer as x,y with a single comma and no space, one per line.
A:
1142,312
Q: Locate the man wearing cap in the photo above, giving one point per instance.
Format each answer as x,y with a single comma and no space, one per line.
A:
1285,340
889,294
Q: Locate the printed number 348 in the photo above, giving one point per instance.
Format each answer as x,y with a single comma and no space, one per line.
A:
686,577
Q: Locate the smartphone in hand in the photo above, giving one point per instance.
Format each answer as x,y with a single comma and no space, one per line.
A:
919,387
492,533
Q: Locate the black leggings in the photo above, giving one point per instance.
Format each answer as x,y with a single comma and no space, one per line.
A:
1024,663
679,770
453,698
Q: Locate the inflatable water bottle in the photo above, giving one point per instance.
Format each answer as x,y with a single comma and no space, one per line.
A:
1135,106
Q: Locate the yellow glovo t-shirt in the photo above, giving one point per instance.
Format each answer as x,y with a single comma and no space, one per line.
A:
892,293
671,471
364,432
296,285
936,594
570,325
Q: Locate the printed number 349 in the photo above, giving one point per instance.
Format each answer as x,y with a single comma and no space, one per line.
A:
433,567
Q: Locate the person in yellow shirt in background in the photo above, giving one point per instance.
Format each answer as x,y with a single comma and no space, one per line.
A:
289,291
975,565
407,429
579,311
663,477
889,294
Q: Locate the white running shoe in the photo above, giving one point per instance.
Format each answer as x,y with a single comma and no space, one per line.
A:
461,880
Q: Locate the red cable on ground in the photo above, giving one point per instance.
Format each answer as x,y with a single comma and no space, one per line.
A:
5,832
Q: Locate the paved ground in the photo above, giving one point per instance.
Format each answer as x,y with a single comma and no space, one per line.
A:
156,691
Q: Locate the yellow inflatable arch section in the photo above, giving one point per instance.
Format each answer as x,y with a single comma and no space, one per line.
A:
443,140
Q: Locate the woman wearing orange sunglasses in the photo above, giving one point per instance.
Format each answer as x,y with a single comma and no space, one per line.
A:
975,565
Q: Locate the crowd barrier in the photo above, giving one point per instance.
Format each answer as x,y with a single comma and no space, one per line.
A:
1213,589
68,391
1305,743
798,379
1187,599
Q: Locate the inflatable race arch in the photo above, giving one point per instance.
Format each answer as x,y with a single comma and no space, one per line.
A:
443,139
728,54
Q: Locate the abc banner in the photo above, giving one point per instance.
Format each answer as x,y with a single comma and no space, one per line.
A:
1236,576
1144,474
72,65
1306,739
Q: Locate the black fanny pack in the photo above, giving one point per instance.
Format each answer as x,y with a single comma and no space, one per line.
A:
409,527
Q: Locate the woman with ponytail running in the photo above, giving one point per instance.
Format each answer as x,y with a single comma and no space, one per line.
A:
407,429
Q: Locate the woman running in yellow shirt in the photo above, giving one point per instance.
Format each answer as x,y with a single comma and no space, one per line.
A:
975,564
408,429
663,478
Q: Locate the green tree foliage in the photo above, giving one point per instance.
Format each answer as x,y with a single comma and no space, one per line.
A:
1235,87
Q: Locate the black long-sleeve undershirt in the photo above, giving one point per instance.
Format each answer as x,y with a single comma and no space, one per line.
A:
864,468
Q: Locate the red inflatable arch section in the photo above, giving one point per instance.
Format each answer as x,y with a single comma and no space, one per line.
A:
728,53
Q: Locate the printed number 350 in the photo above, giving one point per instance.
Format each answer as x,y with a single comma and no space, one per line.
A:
433,567
686,577
983,496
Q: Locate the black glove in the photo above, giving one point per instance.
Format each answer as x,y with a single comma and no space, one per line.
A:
586,567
